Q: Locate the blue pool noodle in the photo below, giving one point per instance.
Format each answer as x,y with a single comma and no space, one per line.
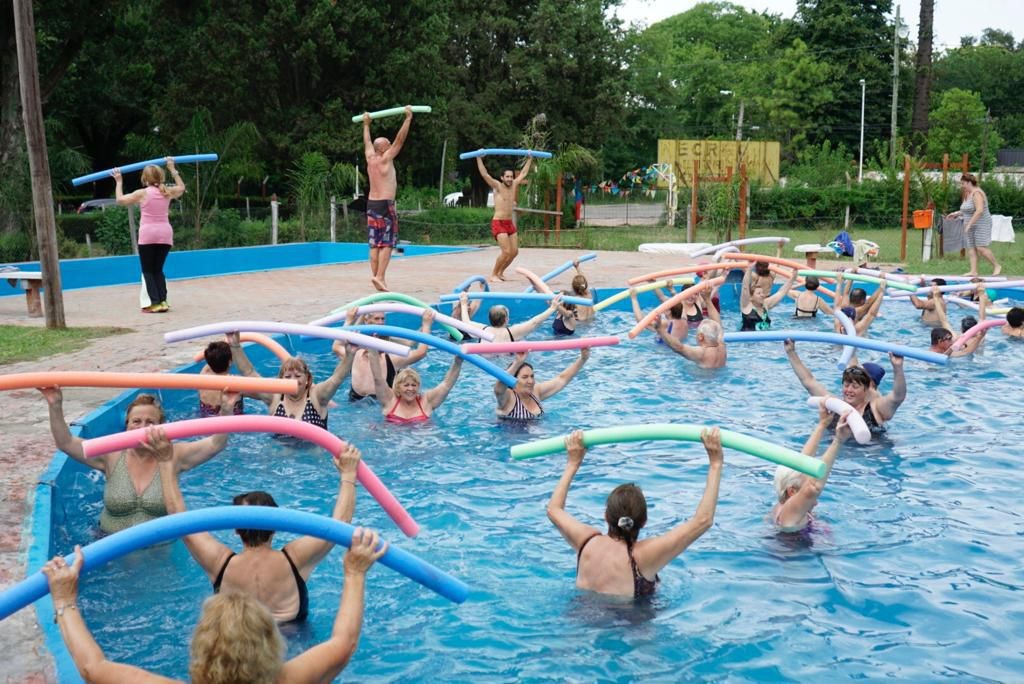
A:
464,285
439,343
580,301
138,166
836,338
563,268
504,151
170,527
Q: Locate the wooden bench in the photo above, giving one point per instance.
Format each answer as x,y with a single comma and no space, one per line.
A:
32,283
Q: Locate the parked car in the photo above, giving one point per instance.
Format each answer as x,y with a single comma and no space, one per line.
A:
94,204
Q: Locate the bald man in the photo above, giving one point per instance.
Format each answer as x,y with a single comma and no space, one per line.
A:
381,219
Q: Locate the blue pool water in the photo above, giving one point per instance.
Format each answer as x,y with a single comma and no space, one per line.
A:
915,572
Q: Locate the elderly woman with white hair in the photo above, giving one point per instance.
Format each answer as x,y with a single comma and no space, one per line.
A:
710,350
404,402
798,493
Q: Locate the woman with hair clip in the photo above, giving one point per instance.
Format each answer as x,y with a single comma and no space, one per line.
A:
977,217
619,562
403,402
156,237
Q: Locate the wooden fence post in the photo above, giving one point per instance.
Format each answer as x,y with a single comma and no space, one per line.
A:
743,200
273,219
559,197
906,203
692,226
334,219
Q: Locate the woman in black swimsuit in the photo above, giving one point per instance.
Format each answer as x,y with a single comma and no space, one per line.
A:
619,562
276,578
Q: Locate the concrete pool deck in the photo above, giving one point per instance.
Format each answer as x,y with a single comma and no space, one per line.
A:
294,295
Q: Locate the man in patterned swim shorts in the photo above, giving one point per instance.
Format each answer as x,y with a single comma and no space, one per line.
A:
381,219
502,227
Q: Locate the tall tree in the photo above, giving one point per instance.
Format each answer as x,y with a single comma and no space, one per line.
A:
922,74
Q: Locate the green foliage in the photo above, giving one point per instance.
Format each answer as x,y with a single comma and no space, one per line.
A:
957,125
15,247
112,231
76,226
822,165
226,228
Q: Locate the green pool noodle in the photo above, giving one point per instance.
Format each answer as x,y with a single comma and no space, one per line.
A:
859,277
397,297
680,433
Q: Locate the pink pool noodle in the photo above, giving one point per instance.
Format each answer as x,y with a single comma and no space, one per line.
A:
974,330
539,345
288,426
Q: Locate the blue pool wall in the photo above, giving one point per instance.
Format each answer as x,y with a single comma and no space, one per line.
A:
123,270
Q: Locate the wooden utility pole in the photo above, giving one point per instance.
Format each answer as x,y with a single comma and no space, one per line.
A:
743,200
39,165
906,204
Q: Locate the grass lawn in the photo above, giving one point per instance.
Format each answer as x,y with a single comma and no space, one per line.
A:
25,343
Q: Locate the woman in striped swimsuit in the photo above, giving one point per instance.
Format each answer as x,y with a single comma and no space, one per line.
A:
977,224
523,401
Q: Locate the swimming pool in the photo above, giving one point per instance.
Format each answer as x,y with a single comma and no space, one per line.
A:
198,263
914,574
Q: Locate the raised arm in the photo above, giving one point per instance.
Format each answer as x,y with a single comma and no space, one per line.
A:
888,404
521,330
87,655
122,199
823,305
436,396
385,395
503,392
524,171
695,354
62,437
574,531
178,189
204,548
245,367
637,311
972,344
794,511
417,354
555,385
326,390
400,137
307,552
367,140
777,297
709,304
803,374
323,662
488,178
654,553
869,316
745,289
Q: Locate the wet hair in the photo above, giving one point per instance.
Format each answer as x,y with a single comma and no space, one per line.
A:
711,330
784,479
812,282
676,311
761,268
626,513
144,400
967,323
236,640
940,334
1015,317
295,363
858,375
498,316
258,498
969,178
154,175
512,171
218,356
579,285
525,365
858,296
938,281
401,376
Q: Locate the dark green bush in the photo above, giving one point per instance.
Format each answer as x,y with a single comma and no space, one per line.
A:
75,226
15,247
112,231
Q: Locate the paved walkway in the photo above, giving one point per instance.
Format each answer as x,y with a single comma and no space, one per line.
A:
294,295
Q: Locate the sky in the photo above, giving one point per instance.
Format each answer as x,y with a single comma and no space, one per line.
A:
953,18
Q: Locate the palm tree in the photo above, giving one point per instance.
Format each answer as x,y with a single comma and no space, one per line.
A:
923,75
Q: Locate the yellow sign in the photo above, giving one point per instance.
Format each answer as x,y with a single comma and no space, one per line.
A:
720,158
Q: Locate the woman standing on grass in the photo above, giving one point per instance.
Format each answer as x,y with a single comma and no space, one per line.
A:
155,233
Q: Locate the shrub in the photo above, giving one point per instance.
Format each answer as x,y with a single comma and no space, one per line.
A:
15,247
112,231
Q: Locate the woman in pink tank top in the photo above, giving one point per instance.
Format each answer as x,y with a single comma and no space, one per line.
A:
155,233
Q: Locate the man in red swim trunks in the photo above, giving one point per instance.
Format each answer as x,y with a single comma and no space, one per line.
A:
381,219
502,227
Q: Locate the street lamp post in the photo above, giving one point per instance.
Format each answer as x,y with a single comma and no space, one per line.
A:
860,161
898,31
